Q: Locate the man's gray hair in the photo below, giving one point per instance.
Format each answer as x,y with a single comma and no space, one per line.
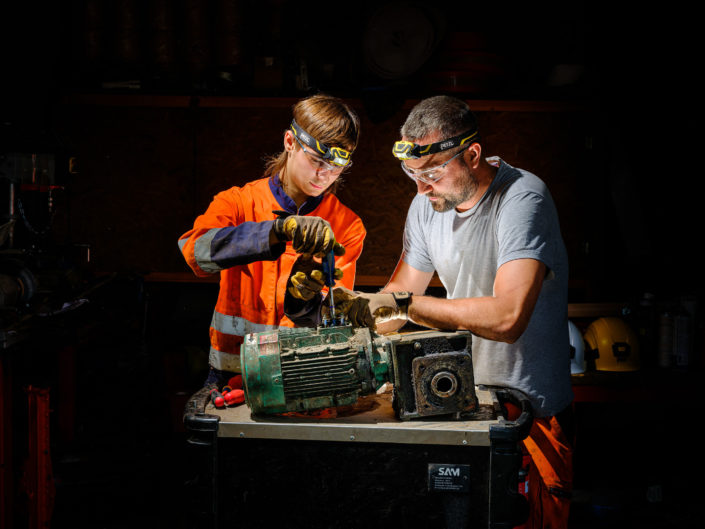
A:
449,116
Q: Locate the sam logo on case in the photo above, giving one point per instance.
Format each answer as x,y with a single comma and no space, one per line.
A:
444,477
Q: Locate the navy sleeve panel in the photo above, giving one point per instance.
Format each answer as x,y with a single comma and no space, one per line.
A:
244,244
303,313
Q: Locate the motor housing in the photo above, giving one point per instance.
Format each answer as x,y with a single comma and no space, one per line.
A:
304,369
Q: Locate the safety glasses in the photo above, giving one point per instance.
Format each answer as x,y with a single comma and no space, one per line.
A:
319,164
432,175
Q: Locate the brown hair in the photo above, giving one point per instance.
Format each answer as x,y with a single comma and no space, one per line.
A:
329,120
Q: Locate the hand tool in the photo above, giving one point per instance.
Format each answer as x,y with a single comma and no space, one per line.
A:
329,277
235,382
234,397
217,398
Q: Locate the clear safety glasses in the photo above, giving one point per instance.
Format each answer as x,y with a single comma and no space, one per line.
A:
319,164
432,175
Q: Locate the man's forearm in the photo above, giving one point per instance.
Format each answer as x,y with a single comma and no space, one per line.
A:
503,316
486,316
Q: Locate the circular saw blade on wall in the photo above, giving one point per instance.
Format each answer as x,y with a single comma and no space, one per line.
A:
399,38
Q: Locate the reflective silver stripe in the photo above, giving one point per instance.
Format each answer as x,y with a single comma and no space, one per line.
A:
182,243
237,325
202,252
224,361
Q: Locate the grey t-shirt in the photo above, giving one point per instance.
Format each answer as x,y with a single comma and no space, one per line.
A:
515,219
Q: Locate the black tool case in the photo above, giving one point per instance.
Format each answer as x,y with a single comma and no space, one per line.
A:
360,468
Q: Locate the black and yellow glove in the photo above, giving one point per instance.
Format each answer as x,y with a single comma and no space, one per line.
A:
309,235
368,310
306,279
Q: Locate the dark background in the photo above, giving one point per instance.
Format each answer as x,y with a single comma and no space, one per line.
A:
159,105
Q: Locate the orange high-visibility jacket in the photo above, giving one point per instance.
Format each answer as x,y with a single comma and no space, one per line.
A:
232,238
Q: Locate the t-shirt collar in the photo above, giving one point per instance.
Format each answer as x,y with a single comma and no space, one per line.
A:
502,168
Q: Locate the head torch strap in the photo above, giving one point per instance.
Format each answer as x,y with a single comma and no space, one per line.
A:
335,155
406,150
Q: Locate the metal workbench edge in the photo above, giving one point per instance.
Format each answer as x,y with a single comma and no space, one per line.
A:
457,433
377,424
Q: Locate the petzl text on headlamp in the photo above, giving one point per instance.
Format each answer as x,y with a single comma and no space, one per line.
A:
335,155
406,150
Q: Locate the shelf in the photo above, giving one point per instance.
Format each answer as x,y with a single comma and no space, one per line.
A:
575,310
670,385
197,101
186,277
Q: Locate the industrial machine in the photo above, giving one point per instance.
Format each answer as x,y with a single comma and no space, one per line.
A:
435,450
303,369
270,462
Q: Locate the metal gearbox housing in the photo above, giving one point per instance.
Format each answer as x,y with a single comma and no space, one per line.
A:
433,374
304,369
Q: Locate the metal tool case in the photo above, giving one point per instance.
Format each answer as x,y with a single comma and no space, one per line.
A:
367,465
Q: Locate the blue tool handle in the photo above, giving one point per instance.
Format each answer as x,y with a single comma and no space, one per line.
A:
329,269
329,278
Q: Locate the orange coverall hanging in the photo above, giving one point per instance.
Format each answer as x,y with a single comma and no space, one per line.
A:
550,479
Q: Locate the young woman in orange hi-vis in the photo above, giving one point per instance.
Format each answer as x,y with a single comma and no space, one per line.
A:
260,237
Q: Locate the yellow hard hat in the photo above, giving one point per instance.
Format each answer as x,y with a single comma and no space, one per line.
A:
613,345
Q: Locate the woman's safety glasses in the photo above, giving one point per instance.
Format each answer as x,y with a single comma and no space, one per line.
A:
319,164
324,159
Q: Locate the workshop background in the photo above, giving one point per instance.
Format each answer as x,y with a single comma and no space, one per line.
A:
121,120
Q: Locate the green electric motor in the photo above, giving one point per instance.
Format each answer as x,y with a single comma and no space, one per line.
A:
304,369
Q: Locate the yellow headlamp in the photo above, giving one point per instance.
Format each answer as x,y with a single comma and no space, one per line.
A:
407,150
333,155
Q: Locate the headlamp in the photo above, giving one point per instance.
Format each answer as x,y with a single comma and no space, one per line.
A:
406,150
334,155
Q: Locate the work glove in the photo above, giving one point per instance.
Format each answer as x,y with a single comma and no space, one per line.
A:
306,279
309,235
368,310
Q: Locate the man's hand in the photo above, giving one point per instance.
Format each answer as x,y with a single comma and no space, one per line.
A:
369,310
309,235
306,279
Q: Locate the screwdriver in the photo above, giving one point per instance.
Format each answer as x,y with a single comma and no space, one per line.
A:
217,398
329,277
234,397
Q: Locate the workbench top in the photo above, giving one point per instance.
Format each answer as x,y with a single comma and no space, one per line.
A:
370,420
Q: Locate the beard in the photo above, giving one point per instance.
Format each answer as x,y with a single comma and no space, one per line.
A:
467,186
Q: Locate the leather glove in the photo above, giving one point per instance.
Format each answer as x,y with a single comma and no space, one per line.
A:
368,310
309,235
306,279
